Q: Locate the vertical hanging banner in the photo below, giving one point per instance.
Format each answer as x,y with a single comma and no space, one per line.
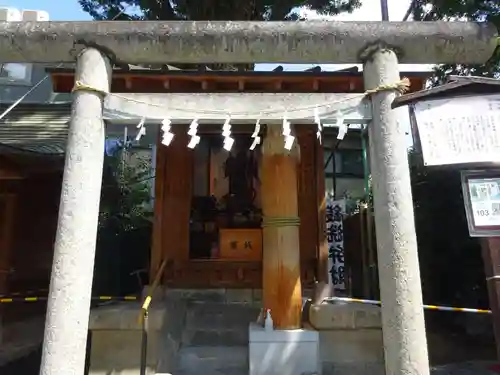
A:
335,211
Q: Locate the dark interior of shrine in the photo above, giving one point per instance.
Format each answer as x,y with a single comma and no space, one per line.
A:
225,197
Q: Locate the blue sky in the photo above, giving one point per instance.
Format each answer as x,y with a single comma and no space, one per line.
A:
59,10
69,10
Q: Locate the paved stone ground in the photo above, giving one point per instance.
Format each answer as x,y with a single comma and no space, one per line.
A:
28,365
20,339
468,368
444,348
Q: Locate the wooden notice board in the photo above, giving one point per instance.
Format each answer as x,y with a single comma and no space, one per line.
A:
240,244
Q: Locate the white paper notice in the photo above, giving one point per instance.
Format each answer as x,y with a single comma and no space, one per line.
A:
459,130
485,201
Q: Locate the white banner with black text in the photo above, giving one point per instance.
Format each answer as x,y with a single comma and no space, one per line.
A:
335,210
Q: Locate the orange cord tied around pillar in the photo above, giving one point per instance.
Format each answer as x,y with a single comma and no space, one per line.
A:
400,86
280,221
80,86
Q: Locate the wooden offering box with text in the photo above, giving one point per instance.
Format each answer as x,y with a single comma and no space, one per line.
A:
241,244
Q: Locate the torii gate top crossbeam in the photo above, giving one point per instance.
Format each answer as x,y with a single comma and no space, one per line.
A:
158,42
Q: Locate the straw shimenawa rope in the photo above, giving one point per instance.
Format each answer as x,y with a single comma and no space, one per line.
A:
80,86
280,221
401,87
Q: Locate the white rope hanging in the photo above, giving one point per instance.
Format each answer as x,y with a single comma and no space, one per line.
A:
317,120
255,135
226,133
141,129
400,86
287,133
167,135
193,132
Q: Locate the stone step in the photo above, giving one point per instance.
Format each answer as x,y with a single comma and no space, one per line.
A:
220,316
227,371
212,360
218,324
215,337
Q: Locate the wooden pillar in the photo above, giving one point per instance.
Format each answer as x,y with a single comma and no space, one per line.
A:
308,210
322,275
281,253
173,193
491,258
156,247
7,217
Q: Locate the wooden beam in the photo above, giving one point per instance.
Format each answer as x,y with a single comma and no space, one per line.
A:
282,289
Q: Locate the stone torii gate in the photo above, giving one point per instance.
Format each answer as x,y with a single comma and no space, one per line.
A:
378,45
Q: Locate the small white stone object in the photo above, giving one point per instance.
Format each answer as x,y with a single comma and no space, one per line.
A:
268,324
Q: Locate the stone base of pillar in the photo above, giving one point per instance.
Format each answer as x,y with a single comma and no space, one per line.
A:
283,352
350,338
116,339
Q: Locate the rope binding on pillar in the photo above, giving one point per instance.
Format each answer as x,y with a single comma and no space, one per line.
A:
280,221
400,86
80,86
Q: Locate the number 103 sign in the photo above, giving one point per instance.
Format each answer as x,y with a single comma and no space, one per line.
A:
481,190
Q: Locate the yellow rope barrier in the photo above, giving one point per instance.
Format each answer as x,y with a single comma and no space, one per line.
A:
152,288
427,307
14,299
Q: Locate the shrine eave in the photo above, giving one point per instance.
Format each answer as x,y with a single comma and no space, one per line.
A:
455,86
141,80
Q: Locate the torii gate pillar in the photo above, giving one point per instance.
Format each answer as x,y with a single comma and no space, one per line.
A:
68,308
403,325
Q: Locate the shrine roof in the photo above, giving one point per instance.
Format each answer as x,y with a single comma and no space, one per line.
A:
455,86
279,71
167,78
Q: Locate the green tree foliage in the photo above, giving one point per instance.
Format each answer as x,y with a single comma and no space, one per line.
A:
125,193
210,10
472,10
125,224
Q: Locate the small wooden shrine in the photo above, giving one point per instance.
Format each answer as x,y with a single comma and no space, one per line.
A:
240,218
